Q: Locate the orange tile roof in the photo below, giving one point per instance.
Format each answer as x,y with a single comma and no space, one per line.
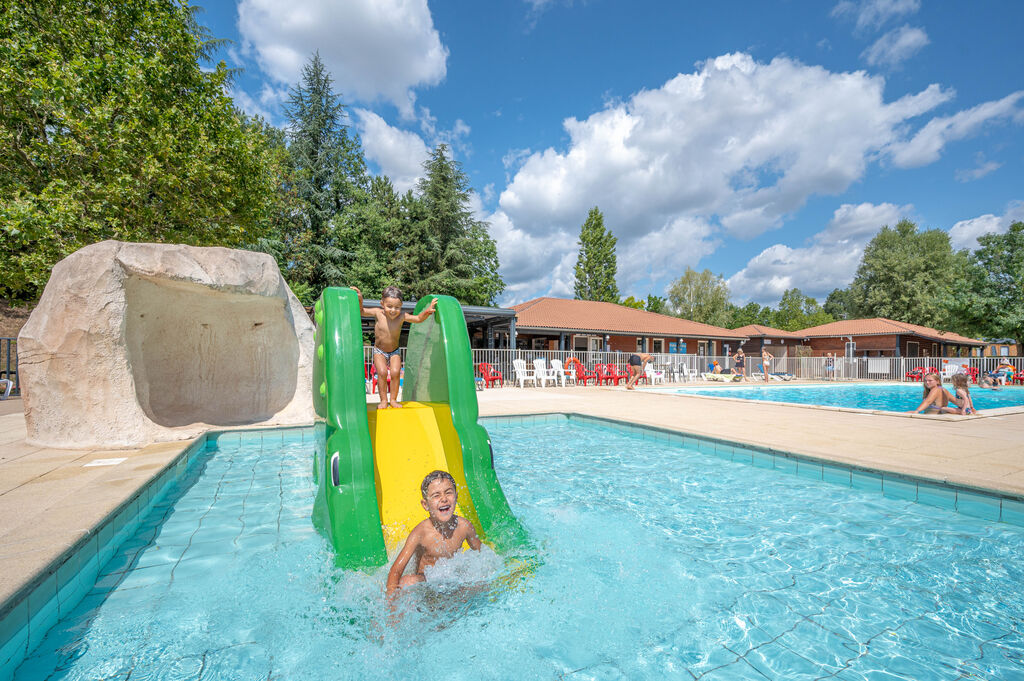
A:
880,326
590,315
761,331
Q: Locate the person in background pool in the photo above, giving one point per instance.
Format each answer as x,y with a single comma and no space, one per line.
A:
935,398
636,368
441,535
988,383
962,395
387,329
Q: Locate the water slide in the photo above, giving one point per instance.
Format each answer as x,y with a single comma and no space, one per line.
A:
369,463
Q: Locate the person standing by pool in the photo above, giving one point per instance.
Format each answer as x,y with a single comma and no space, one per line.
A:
766,360
741,361
830,366
387,329
935,398
636,368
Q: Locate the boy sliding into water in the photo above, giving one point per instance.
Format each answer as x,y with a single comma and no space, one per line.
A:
439,536
387,330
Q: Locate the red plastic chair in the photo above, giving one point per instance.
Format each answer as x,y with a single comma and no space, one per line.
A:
916,375
973,373
371,376
603,377
582,375
614,372
491,376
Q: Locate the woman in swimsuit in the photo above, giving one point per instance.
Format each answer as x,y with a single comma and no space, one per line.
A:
766,359
741,361
936,399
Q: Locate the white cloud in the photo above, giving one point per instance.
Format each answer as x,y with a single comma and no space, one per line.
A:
873,14
374,49
982,169
965,233
738,143
830,261
926,146
533,264
398,153
896,46
245,102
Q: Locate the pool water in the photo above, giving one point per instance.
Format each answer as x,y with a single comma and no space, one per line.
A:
879,397
653,562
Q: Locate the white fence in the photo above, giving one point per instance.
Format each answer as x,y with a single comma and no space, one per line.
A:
810,368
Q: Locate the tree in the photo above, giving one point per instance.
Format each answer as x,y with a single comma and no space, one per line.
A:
329,176
632,302
797,311
751,313
700,297
110,129
444,248
595,265
839,304
908,276
991,303
656,304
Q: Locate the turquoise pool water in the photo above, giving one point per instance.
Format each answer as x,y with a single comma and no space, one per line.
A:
655,562
880,397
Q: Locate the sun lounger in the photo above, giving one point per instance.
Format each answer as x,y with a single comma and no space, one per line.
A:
724,378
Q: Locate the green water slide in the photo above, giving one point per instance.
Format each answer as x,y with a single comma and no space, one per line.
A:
351,497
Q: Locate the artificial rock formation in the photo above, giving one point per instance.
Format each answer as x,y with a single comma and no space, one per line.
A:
139,343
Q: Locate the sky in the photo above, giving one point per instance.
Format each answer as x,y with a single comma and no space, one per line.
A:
765,141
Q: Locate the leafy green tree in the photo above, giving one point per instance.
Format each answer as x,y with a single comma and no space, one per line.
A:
798,311
700,297
656,304
908,275
839,304
595,265
444,249
328,176
991,302
633,303
751,313
110,129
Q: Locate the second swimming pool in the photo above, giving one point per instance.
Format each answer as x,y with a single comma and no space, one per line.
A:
653,561
896,397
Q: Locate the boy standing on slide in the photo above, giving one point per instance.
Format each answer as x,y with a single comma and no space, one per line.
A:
386,332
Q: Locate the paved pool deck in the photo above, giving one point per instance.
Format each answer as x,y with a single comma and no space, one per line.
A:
50,498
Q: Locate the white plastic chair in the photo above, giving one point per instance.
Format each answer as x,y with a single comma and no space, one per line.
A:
522,373
654,376
683,371
542,374
561,372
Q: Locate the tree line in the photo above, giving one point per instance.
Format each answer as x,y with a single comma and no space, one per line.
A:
114,125
905,274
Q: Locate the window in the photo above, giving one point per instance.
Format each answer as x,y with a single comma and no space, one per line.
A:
579,343
539,343
596,343
659,345
935,349
913,349
639,344
702,348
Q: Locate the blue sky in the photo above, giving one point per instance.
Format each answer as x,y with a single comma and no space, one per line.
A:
766,141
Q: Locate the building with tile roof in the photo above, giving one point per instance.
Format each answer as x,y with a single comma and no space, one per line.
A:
578,325
881,337
778,342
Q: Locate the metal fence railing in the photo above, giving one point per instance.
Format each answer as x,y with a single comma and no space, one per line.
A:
9,363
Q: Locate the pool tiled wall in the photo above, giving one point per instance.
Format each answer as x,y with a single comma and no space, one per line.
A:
29,614
973,502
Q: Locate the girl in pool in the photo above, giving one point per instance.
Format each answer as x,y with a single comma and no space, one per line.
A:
962,398
936,399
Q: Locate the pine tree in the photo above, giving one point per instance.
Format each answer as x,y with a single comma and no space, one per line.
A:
329,175
595,266
449,252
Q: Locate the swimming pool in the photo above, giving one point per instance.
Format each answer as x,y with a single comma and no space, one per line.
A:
654,561
896,397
